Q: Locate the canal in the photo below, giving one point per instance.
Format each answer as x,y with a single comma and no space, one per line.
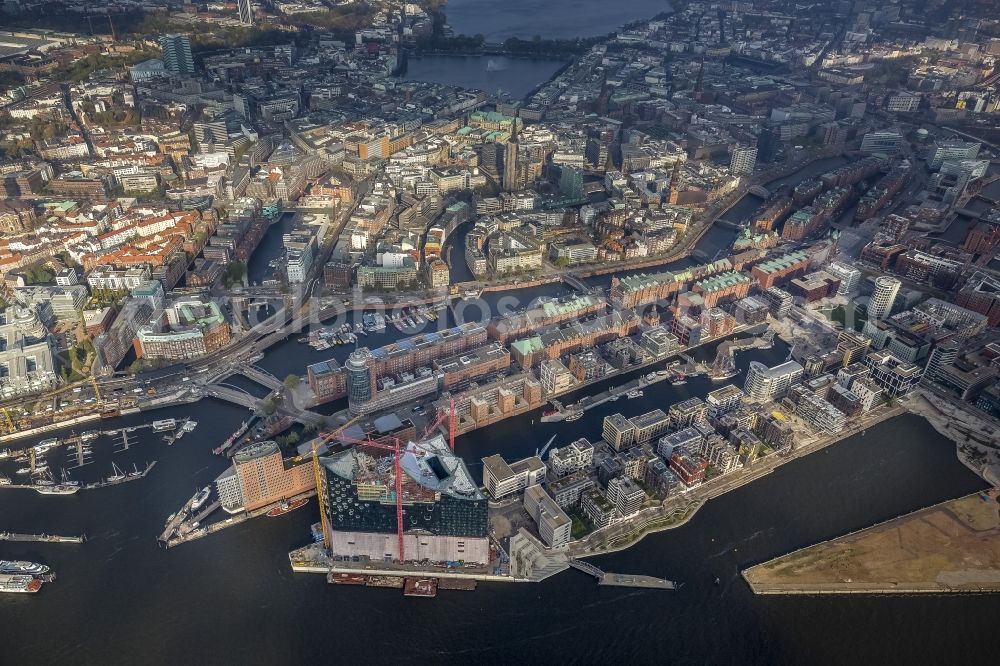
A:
291,356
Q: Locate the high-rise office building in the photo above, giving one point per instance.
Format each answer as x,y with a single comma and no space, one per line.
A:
886,142
246,12
360,378
954,149
571,182
940,358
743,160
177,58
260,476
849,277
880,305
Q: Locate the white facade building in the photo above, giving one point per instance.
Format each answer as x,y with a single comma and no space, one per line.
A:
764,384
743,160
880,305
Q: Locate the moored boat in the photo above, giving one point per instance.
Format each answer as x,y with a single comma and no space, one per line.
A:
22,568
164,425
45,445
59,489
200,498
287,507
19,584
117,476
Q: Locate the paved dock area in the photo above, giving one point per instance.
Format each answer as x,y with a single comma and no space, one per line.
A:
622,580
41,538
628,580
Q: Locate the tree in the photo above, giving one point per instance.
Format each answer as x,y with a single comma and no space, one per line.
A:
291,381
234,273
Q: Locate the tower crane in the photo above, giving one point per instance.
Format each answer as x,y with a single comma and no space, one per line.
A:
396,449
450,415
319,479
398,473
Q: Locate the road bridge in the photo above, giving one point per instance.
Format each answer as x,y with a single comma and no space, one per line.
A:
260,376
231,394
729,224
576,283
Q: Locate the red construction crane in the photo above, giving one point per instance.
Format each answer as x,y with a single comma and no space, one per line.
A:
450,415
395,448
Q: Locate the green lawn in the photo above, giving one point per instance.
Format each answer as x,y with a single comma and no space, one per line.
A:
853,314
580,528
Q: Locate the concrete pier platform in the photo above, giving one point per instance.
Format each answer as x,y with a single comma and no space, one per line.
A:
41,538
628,580
622,580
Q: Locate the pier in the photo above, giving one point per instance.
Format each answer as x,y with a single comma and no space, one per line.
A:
244,426
180,528
41,538
128,477
132,476
615,392
622,580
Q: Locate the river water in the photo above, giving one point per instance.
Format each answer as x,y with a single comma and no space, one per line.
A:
555,19
232,598
525,19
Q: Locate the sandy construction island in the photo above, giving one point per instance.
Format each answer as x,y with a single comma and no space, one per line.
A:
950,547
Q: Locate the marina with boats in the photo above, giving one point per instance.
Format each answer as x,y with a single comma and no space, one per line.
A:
37,468
408,320
675,372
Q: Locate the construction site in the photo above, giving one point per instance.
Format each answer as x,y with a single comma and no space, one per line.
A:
951,547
